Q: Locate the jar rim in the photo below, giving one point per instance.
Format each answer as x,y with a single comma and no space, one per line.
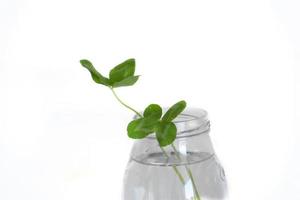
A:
191,122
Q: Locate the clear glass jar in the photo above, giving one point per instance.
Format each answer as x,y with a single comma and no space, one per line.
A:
187,170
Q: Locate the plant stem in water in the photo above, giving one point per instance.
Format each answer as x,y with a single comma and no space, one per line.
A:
174,167
189,172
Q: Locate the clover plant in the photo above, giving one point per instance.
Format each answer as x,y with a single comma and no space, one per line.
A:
152,119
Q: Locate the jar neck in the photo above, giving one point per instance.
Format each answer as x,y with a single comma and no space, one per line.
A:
189,123
184,150
192,143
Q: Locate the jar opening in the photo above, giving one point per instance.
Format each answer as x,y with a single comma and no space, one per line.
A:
192,121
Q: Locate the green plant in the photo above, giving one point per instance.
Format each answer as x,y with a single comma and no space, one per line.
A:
152,119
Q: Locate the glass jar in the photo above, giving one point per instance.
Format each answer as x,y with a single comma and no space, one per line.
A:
186,170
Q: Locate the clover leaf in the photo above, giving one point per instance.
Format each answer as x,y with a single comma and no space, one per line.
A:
126,82
120,76
174,111
123,74
142,127
97,77
153,110
165,133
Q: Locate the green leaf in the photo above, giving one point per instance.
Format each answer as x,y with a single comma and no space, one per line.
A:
97,77
174,111
122,71
126,82
165,133
153,110
140,128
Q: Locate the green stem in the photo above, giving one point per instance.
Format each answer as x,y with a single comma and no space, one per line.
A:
124,104
136,112
189,172
174,167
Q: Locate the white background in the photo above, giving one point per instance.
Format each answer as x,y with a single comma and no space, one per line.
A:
63,137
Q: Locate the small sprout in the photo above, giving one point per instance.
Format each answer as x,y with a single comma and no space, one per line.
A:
120,76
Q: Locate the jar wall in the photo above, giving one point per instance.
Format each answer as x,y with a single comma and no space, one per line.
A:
186,170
